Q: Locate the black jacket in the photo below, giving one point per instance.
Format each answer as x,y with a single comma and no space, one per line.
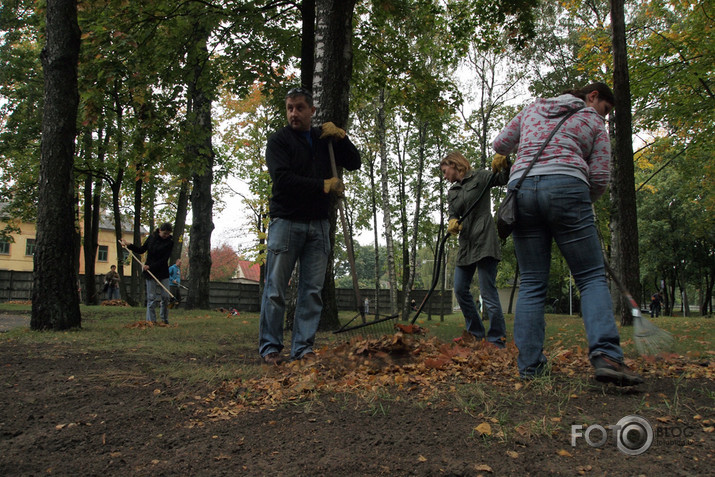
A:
159,252
298,171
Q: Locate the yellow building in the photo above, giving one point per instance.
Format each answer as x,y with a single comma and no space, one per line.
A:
18,254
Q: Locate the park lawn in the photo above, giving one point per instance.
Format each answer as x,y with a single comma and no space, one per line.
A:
195,344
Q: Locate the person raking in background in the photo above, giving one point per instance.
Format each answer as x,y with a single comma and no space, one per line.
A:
111,283
554,203
479,249
299,165
175,283
157,246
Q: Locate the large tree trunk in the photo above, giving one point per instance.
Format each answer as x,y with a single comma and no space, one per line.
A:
623,195
331,92
55,298
385,191
199,120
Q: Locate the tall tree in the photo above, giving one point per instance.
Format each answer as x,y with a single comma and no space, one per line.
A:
331,90
55,299
200,94
624,217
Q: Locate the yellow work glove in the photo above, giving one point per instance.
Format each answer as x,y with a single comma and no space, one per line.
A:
499,163
331,130
333,185
454,226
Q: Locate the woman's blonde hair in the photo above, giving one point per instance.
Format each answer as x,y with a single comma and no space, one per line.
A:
456,160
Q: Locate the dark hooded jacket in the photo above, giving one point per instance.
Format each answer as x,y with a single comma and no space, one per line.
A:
158,252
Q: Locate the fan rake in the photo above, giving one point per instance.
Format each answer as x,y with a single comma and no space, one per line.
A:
648,338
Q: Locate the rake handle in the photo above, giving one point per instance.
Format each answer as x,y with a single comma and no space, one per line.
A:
348,238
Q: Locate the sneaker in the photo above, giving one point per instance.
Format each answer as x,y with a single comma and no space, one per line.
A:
309,356
609,370
273,359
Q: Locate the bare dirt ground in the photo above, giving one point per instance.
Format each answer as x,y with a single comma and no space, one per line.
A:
67,413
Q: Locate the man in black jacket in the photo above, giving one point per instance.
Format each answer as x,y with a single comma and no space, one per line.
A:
157,247
299,164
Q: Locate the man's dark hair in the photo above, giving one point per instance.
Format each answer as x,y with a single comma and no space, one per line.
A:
166,226
301,91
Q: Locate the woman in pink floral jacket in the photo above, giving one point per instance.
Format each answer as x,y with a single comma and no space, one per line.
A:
554,203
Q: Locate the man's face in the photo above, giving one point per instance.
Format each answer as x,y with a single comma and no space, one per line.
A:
299,113
164,234
178,263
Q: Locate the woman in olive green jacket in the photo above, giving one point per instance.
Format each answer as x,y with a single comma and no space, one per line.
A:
479,248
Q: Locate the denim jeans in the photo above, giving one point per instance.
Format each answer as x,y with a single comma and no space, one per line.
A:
487,272
558,207
156,295
113,293
308,244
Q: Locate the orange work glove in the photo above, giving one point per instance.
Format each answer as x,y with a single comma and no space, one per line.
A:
333,185
331,130
454,227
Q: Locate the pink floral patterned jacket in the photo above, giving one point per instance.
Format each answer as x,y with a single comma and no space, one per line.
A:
580,148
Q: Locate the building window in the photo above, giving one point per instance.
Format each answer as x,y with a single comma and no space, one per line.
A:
4,247
102,253
30,247
125,257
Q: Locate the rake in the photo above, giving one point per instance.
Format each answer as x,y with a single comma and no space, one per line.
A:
648,338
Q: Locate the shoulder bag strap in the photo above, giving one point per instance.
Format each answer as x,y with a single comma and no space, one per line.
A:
543,146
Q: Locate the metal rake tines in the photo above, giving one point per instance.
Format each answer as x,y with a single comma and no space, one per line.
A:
378,326
648,338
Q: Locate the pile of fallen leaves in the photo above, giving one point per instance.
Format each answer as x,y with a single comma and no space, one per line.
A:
114,303
425,368
19,302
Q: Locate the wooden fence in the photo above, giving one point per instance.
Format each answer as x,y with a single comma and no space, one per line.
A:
17,286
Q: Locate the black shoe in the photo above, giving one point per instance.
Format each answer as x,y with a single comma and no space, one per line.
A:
609,370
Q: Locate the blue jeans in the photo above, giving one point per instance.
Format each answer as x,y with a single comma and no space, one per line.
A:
558,207
155,295
113,293
490,296
308,244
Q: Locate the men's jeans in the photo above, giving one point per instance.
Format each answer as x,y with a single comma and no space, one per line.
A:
308,244
113,293
558,207
156,295
487,268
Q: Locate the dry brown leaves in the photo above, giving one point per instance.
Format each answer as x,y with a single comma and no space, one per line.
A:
425,368
143,325
114,303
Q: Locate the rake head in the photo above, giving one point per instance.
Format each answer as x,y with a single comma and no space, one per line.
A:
377,327
648,338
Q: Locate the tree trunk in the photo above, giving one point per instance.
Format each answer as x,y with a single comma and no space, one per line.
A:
386,214
199,120
307,46
623,194
331,92
55,298
180,221
422,138
89,239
